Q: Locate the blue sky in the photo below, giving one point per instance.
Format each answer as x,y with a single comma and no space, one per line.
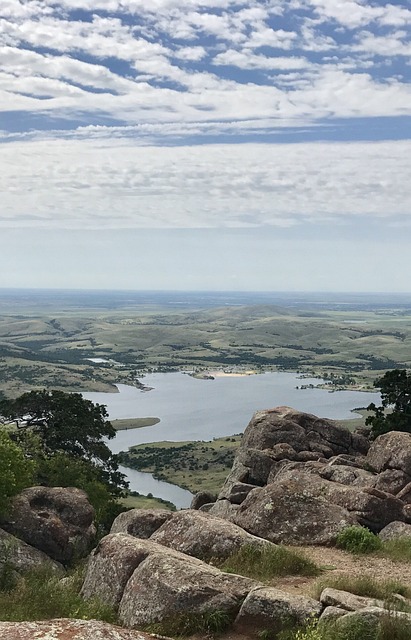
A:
219,138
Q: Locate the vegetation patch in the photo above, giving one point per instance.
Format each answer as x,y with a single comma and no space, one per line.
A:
196,466
266,563
362,586
398,550
41,595
357,539
211,623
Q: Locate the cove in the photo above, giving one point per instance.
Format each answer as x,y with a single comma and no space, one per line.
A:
193,409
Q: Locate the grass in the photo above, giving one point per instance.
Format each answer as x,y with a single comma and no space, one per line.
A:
209,623
387,627
41,595
266,563
362,586
134,501
398,550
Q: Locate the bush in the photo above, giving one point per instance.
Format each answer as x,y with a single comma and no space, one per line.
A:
358,539
264,563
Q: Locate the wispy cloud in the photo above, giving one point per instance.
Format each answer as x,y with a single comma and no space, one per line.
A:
114,184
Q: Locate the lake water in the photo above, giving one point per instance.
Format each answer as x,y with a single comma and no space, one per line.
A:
192,409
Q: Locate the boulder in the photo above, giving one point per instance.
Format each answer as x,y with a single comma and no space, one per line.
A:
372,616
392,481
204,536
302,431
270,608
288,513
277,436
391,451
223,509
348,601
201,498
65,629
395,530
56,520
150,583
111,565
371,508
168,584
20,556
140,523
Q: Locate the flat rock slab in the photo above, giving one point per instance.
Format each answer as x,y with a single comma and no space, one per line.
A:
348,601
64,629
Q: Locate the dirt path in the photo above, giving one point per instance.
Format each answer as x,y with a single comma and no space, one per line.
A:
335,562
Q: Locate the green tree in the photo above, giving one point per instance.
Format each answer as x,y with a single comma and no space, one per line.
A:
16,471
66,423
395,412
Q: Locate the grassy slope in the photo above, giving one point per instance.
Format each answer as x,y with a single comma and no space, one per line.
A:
51,351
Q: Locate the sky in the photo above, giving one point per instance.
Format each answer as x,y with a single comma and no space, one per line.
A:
205,144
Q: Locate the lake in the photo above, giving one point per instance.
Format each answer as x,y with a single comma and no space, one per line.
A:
193,409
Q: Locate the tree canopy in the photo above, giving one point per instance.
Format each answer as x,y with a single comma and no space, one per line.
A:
65,424
395,412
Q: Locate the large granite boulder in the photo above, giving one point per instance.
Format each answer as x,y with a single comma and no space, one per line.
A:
150,583
289,513
391,451
140,523
204,536
56,520
277,436
167,585
65,629
370,508
21,557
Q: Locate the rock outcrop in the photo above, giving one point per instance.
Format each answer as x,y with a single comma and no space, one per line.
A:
55,520
301,479
150,583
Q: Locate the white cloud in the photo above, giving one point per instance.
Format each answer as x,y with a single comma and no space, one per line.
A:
247,60
112,183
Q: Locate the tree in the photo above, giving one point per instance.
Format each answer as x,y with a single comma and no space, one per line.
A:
66,423
16,471
395,388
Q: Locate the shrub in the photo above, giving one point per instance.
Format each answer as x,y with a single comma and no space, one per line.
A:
358,539
266,562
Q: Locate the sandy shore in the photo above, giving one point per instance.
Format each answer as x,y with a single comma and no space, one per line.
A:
230,374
